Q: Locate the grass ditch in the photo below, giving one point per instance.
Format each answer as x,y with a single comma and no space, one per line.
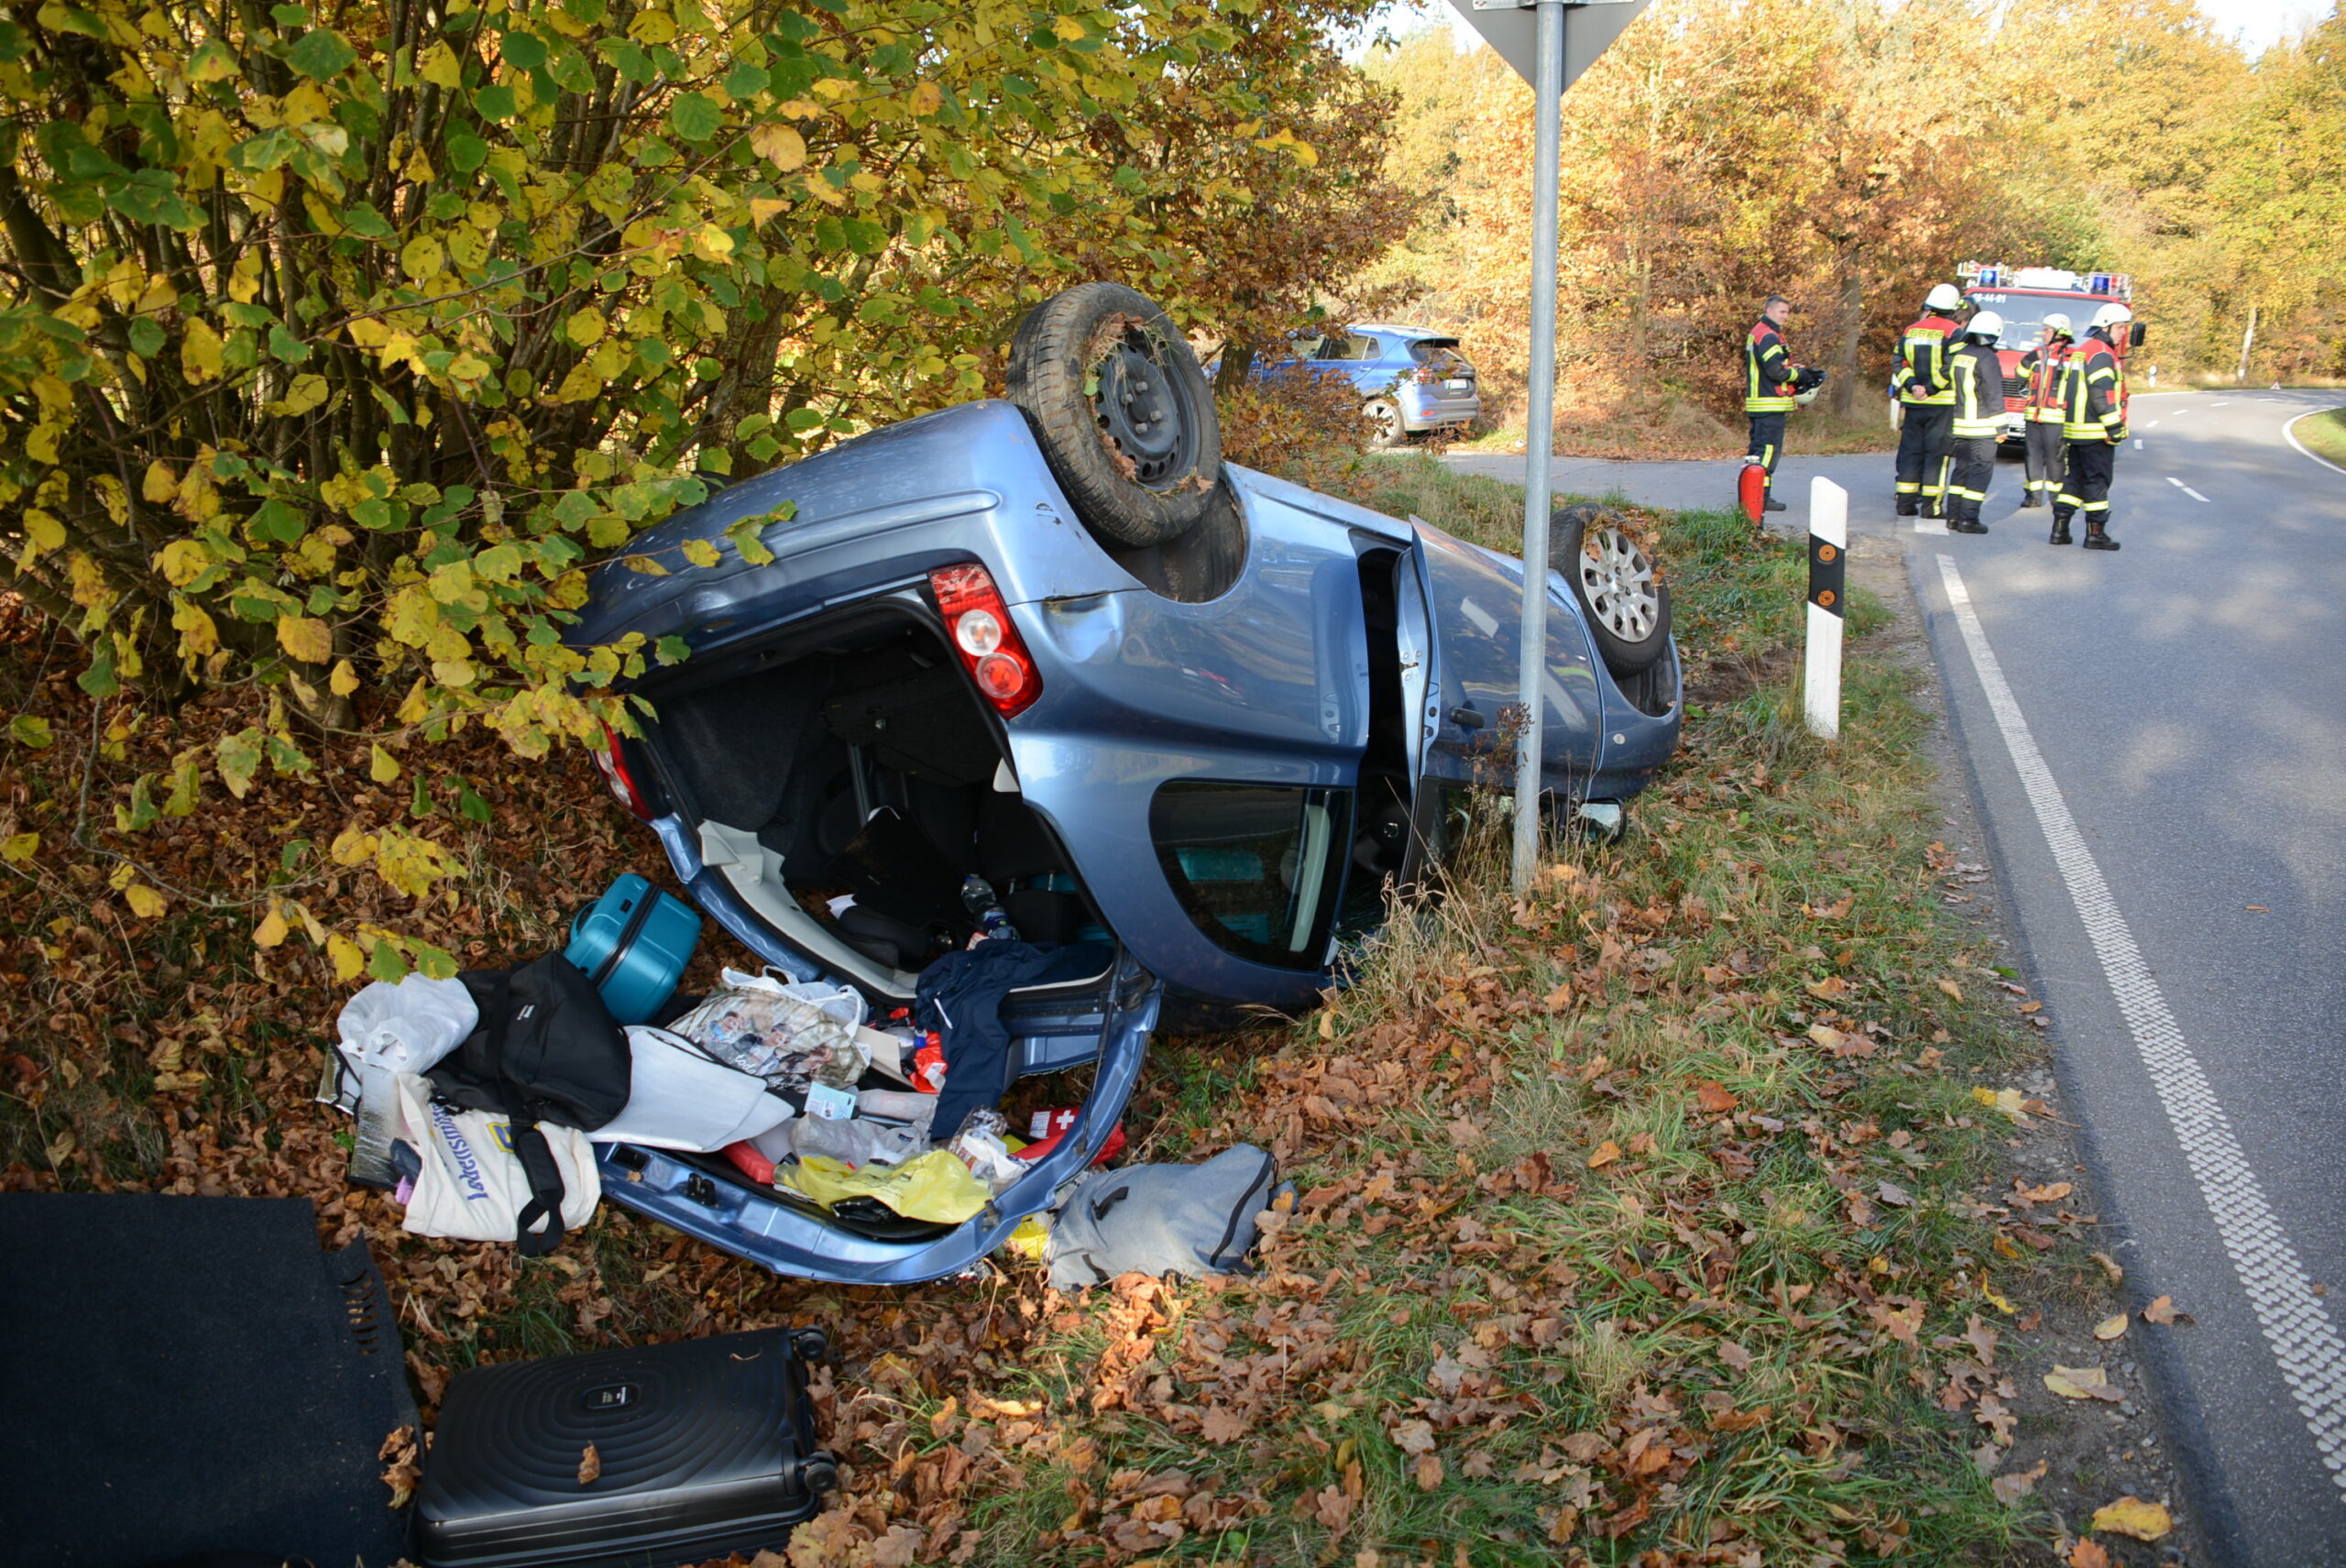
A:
1638,1217
2324,434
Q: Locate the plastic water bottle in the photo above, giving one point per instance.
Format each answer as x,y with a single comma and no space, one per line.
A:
993,922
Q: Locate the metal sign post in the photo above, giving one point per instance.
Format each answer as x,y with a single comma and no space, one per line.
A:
1548,48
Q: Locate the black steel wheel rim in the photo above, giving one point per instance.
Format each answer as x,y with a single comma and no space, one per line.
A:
1145,415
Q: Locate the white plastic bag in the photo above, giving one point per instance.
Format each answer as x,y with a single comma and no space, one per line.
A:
384,1031
406,1027
766,1030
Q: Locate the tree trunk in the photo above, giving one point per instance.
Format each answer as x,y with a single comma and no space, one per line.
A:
1853,331
1237,363
1640,308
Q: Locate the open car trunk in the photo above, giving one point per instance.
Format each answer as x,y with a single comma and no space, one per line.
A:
844,781
832,788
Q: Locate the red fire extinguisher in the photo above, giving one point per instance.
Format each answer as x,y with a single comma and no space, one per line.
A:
1751,489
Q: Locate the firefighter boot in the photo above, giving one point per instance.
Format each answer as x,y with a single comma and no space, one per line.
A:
2097,537
1965,520
2060,526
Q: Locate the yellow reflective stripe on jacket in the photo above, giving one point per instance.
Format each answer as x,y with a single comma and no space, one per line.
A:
1972,421
1921,344
1759,393
2084,415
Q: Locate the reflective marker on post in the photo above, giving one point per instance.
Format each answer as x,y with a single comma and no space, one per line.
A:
1828,590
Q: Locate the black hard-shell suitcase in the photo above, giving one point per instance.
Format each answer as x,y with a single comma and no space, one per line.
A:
705,1447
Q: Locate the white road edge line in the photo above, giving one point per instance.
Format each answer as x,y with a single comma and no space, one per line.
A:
2290,431
2305,1344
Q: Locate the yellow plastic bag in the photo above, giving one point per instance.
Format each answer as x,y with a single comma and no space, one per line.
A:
935,1186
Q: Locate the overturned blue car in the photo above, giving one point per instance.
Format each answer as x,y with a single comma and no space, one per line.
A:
1188,718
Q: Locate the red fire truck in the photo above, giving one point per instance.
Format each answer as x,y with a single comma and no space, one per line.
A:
2024,296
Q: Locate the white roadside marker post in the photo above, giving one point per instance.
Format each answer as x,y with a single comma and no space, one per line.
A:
1828,591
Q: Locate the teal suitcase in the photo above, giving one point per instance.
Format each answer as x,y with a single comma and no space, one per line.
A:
633,943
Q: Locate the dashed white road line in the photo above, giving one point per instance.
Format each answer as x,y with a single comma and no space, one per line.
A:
2305,1344
2153,425
2290,430
2186,490
2138,444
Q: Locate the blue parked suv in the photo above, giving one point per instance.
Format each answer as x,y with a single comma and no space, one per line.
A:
1188,719
1411,379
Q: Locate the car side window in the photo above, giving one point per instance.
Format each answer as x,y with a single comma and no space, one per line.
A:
1258,867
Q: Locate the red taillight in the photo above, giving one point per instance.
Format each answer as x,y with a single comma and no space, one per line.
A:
978,623
614,765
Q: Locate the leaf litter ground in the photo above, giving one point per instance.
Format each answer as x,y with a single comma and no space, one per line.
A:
1652,1219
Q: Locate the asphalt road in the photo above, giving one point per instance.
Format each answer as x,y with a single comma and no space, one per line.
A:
2164,775
2157,739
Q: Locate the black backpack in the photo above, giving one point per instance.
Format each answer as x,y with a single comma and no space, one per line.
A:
545,1050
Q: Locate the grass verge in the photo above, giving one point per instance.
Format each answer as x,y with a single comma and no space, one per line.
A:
2324,434
1636,1218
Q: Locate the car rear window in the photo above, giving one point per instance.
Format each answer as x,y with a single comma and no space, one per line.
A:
1257,867
1441,354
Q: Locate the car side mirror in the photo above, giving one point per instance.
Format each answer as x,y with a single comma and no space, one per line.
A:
2135,338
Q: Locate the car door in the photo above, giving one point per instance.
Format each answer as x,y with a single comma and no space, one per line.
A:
1475,599
1205,785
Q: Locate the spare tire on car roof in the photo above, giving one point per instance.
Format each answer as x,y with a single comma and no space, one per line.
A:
1122,411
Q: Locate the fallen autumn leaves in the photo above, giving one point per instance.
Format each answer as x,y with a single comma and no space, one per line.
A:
1651,1218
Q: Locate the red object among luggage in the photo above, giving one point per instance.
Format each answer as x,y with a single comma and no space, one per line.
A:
1751,490
1052,1126
750,1162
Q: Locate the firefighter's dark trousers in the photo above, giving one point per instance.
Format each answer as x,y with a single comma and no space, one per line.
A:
1973,465
1922,459
2048,460
1767,441
2085,489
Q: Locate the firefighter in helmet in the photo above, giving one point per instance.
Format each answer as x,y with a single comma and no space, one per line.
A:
2041,414
1928,398
1976,379
2093,423
1772,387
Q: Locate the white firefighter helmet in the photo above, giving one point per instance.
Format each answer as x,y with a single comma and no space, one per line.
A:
2111,314
1987,326
2056,322
1805,399
1943,297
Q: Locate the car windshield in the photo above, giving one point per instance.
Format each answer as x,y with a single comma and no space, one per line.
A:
1257,867
2024,314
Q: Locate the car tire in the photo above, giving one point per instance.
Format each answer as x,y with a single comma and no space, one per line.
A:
1622,599
1385,430
1122,411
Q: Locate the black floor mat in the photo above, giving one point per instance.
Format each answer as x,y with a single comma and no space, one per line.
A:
187,1376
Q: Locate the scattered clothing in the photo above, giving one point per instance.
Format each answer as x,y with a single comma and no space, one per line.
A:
960,997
